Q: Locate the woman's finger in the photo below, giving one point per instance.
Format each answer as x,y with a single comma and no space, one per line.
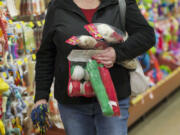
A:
109,66
103,53
102,58
106,63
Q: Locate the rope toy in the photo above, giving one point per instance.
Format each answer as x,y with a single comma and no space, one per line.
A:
40,119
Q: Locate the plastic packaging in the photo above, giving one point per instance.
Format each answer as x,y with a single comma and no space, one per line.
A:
78,81
104,31
110,35
98,86
102,36
79,78
88,79
111,92
86,42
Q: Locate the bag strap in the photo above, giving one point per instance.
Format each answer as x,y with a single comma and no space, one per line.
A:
122,8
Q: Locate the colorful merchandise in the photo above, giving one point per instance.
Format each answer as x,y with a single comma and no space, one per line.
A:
40,119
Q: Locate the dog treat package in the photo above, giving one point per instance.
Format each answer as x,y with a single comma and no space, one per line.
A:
105,32
88,78
79,81
100,37
86,42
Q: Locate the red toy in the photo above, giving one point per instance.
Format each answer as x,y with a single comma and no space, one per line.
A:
74,89
111,92
155,63
87,89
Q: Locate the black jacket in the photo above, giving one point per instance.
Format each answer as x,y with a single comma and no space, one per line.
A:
65,19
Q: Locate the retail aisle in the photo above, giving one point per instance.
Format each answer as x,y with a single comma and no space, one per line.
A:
164,120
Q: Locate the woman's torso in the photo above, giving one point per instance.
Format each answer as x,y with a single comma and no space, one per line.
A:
69,21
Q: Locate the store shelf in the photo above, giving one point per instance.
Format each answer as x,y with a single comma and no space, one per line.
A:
142,104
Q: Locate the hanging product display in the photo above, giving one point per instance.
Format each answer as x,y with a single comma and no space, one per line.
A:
21,8
19,42
12,8
3,34
24,38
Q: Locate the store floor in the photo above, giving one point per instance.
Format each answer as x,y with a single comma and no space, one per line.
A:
163,120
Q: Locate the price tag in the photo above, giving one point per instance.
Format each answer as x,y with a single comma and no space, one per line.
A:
39,23
26,60
31,24
19,62
18,26
22,22
43,22
140,6
1,3
151,96
34,57
10,21
50,94
4,74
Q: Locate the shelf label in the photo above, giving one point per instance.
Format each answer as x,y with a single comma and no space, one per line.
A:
22,22
10,21
18,26
39,23
26,60
31,24
19,62
151,96
4,74
33,56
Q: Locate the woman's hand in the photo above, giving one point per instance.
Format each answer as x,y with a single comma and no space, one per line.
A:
39,102
107,57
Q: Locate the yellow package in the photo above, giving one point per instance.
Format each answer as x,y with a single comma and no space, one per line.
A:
2,129
3,86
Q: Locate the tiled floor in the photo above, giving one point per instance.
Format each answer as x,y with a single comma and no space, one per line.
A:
164,120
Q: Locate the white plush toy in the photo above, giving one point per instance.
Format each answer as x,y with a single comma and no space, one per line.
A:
86,76
87,42
77,73
111,36
107,32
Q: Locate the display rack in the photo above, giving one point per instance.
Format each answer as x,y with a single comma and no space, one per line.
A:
155,95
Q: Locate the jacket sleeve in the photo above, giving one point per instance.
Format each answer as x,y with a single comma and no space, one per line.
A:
45,59
141,35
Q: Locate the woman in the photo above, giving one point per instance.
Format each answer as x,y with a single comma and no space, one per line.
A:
65,18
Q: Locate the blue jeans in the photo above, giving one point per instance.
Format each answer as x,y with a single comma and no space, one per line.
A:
89,120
